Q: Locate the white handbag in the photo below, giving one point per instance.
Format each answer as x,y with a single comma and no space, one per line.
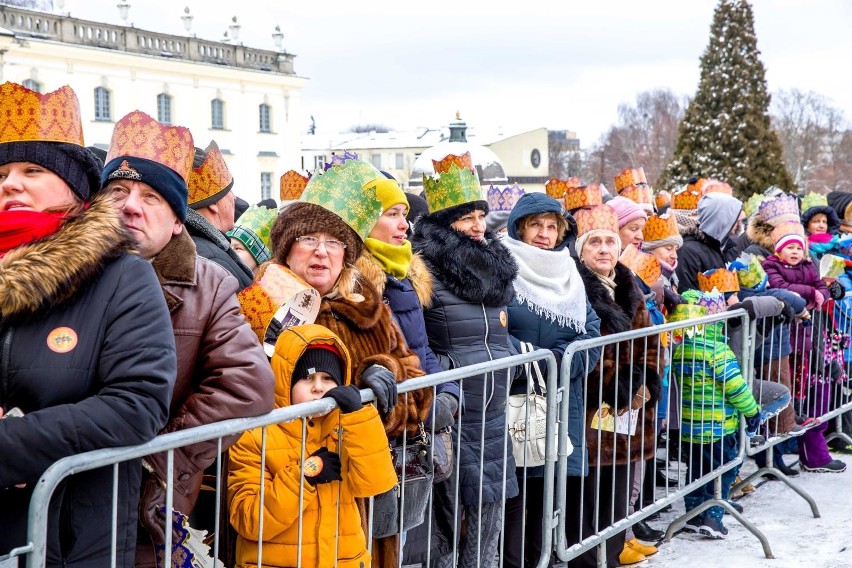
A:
526,416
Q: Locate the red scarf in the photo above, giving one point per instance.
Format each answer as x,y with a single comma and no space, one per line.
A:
18,228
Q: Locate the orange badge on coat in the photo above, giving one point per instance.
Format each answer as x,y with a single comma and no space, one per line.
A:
62,340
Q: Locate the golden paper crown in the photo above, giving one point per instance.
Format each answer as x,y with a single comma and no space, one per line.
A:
597,217
457,183
210,180
292,185
140,136
630,177
640,194
586,196
557,188
722,279
717,186
28,116
686,200
644,265
660,227
697,185
662,199
258,307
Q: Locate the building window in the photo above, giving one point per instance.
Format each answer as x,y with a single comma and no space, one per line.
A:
164,108
103,110
319,162
265,185
265,122
376,160
217,114
400,161
32,85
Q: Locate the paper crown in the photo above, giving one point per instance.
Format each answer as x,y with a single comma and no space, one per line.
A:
721,279
503,199
814,199
713,301
28,116
659,227
684,312
640,194
753,203
292,185
140,136
644,265
777,210
630,177
749,271
662,199
697,185
457,183
585,196
597,217
717,186
258,221
557,188
831,266
210,180
344,187
686,200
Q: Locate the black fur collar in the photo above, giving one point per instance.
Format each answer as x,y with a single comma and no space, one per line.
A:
616,315
480,273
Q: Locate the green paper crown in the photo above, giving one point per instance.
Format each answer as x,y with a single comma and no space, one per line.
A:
754,274
347,188
457,183
753,203
684,312
814,200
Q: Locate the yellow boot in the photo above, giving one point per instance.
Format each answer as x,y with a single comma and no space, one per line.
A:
630,556
643,549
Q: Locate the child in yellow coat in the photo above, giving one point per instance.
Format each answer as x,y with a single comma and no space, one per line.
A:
346,456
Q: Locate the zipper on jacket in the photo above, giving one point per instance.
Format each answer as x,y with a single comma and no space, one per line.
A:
490,356
5,355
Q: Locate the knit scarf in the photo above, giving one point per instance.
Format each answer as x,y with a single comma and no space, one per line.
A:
608,281
19,228
549,284
395,259
821,243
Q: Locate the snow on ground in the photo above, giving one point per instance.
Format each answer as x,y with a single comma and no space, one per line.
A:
795,536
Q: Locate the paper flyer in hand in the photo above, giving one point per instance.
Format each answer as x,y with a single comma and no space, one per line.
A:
188,548
608,420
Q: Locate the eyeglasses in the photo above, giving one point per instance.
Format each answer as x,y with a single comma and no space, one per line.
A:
313,243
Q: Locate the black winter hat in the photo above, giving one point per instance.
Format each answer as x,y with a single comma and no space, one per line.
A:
319,358
76,165
163,179
448,216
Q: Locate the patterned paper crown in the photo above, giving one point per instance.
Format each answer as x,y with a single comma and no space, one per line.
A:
211,179
779,209
585,196
28,116
457,183
713,301
644,265
660,227
557,188
260,301
749,271
685,312
662,199
814,199
640,194
598,217
697,185
292,185
630,177
344,187
831,266
686,200
140,136
717,186
720,279
503,199
753,203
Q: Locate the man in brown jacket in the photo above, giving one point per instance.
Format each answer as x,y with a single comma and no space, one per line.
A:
222,371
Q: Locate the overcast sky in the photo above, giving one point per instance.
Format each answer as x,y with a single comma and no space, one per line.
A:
524,65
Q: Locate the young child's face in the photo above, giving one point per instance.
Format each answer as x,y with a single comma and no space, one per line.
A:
818,224
792,254
312,387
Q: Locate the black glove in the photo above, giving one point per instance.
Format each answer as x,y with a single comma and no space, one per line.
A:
748,307
382,382
752,424
322,467
836,290
445,407
348,398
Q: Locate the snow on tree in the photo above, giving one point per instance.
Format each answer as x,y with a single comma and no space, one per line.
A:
726,131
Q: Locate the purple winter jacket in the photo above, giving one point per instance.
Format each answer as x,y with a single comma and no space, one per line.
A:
803,279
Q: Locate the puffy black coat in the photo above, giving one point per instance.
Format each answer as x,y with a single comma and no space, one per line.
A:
88,355
699,253
212,244
467,324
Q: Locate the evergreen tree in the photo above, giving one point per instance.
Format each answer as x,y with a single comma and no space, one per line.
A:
726,131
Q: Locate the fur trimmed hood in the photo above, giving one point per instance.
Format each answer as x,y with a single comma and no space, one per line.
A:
480,273
372,271
616,315
47,272
760,233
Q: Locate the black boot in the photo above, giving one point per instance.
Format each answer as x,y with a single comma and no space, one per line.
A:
643,531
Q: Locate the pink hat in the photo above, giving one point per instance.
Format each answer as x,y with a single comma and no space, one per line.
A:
626,210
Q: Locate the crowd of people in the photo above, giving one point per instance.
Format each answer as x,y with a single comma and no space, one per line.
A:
139,297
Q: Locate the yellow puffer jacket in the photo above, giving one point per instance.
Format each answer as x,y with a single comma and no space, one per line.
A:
329,532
